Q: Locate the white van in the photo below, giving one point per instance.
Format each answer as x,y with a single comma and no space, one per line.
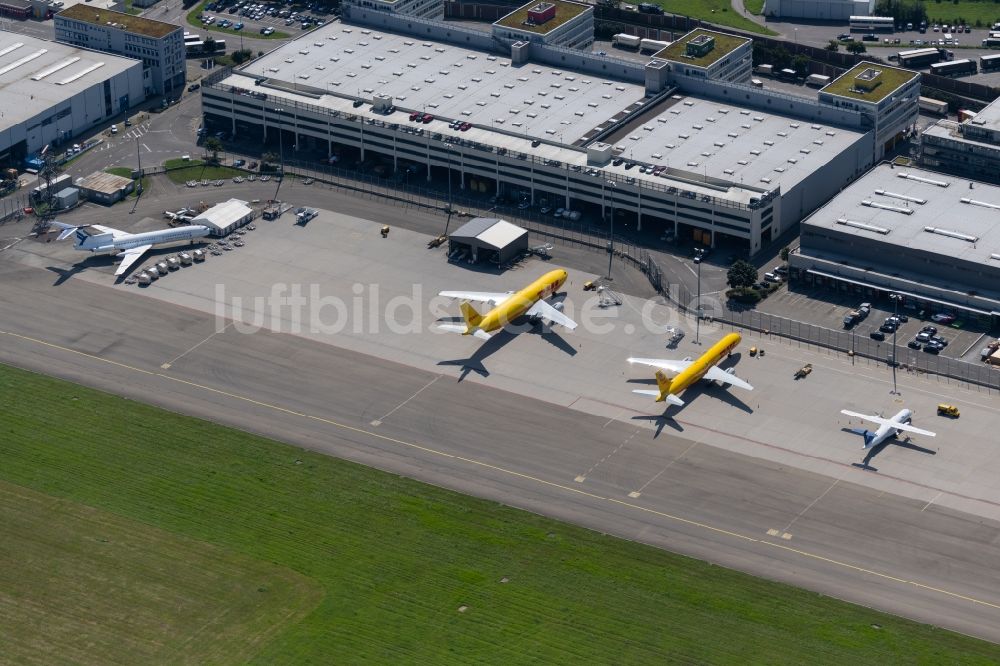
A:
756,83
114,129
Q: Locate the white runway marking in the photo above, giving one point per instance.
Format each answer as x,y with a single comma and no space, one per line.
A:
933,499
583,477
166,366
811,504
636,493
419,391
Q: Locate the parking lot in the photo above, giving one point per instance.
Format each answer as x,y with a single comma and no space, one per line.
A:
825,307
263,18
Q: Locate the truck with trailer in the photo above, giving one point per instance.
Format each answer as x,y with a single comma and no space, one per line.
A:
303,215
624,40
652,45
817,80
963,67
989,63
917,58
935,106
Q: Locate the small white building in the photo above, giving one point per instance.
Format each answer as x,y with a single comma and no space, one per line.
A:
226,217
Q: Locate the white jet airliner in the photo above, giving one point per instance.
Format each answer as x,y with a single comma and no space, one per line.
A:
886,427
105,240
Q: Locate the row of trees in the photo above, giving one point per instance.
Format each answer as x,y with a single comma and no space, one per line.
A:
780,58
904,11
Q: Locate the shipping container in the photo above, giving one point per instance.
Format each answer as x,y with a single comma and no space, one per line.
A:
933,106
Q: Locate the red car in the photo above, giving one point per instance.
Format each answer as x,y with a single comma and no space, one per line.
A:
427,118
416,115
464,126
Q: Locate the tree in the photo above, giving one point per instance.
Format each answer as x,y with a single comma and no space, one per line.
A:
268,159
741,274
209,44
856,48
213,145
785,251
833,45
242,55
800,64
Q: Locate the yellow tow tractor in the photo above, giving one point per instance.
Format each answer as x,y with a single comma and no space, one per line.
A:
803,371
753,351
948,410
589,285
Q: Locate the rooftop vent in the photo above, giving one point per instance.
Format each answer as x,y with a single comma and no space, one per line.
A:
984,204
868,80
904,197
699,46
921,179
854,224
951,234
882,206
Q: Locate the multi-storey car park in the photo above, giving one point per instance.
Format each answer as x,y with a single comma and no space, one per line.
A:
681,141
53,92
931,237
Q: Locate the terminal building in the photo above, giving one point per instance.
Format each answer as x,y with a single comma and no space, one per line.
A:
930,237
970,148
679,142
821,10
54,92
159,45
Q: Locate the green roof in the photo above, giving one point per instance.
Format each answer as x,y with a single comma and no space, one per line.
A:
127,22
724,45
565,11
893,78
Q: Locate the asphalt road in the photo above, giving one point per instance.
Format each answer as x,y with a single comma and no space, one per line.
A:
675,491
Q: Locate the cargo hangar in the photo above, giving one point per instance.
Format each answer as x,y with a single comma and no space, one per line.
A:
681,142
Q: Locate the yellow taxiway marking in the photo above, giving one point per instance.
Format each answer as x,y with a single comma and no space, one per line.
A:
526,477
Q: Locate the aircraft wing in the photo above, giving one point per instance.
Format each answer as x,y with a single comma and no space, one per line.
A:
115,233
675,367
905,427
129,257
477,296
546,311
720,375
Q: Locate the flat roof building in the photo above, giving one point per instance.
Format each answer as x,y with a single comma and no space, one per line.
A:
710,54
970,148
431,9
52,92
931,237
555,22
886,96
159,45
822,10
105,188
489,239
695,155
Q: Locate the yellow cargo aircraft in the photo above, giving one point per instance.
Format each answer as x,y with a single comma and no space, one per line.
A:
508,306
687,372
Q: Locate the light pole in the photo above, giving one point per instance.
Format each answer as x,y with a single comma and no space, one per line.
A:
281,153
895,313
697,310
611,236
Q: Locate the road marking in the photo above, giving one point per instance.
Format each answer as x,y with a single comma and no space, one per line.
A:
933,499
147,148
519,475
617,449
669,464
811,504
378,422
18,240
166,366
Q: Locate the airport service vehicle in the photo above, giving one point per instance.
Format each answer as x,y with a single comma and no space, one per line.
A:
105,240
991,43
508,306
303,216
886,427
688,371
803,371
948,410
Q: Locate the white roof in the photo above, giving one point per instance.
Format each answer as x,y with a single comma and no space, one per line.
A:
501,234
36,74
224,214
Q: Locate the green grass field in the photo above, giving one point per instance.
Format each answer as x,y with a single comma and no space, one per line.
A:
126,172
181,171
394,560
986,12
755,7
719,12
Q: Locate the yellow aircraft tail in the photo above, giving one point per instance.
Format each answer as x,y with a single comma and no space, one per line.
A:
472,318
663,384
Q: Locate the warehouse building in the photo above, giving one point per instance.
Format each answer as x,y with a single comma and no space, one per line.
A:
488,239
970,148
159,45
681,143
224,218
19,9
554,22
53,92
105,188
933,238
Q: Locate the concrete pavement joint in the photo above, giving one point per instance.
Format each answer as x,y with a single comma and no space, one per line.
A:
520,475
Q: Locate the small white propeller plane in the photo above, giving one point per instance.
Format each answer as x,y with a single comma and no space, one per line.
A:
886,427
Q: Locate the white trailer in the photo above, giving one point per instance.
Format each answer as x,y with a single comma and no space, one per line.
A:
817,80
626,41
766,69
935,106
652,45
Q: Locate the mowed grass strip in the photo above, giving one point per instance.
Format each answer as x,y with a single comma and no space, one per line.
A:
82,585
397,559
181,171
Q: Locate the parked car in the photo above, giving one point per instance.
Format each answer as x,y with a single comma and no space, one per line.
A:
913,344
877,335
943,318
923,336
193,87
932,349
929,329
938,340
239,163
